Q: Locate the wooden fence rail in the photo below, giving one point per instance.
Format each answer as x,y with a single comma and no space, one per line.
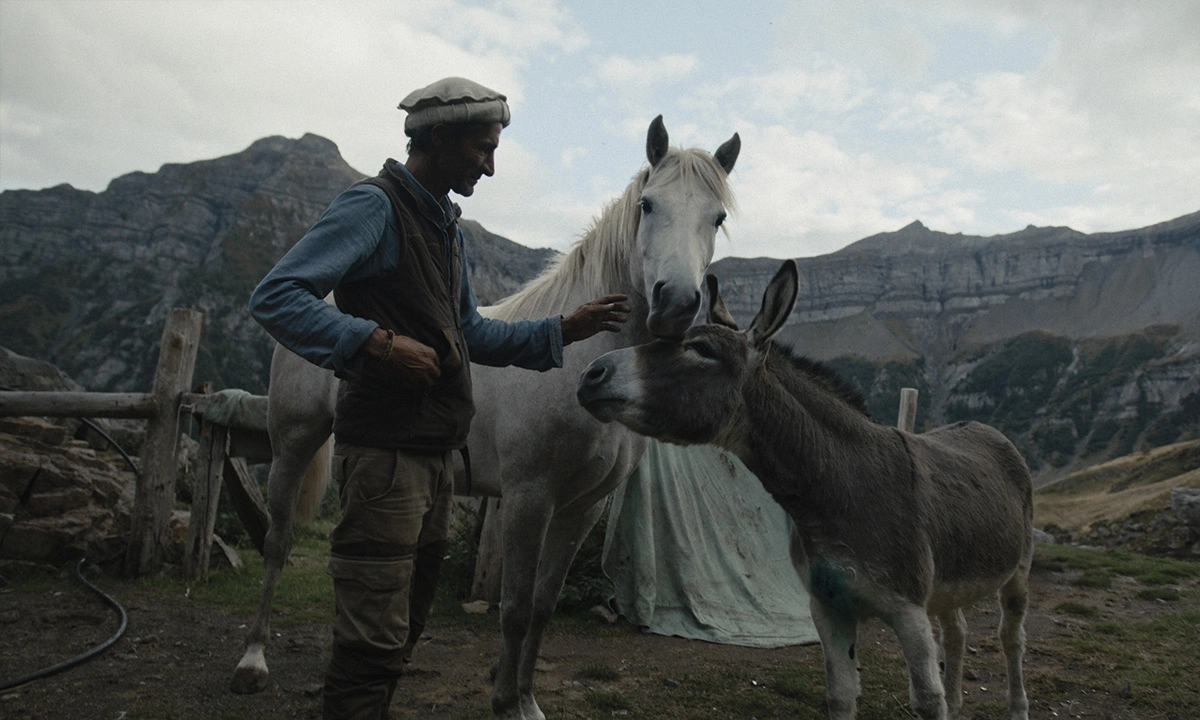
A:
155,494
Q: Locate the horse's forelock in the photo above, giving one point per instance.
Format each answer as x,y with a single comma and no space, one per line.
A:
692,164
600,255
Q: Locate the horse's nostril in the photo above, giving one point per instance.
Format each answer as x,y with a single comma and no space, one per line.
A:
656,295
595,374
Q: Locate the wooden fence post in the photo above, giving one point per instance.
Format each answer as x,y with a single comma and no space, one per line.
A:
206,491
155,496
908,409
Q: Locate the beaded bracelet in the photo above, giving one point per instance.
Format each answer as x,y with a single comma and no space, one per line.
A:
388,350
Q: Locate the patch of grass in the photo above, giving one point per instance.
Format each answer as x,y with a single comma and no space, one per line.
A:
1156,657
304,594
1159,593
1074,608
607,701
599,673
1146,569
1094,578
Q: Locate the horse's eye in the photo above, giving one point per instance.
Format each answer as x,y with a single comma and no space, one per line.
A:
703,349
647,206
721,219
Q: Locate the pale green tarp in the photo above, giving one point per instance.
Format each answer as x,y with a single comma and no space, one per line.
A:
697,549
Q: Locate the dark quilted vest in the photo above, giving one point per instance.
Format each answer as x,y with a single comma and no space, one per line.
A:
418,299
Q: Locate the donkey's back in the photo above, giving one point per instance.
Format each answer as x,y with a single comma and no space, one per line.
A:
976,497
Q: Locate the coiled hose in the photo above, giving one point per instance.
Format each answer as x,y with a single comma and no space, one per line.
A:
68,664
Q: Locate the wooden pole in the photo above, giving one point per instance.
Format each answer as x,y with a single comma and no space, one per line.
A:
154,500
908,409
489,560
77,404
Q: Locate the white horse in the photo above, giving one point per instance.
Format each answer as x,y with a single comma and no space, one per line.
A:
530,441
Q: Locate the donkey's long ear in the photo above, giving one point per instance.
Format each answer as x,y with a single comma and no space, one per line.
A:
718,314
727,154
656,141
779,300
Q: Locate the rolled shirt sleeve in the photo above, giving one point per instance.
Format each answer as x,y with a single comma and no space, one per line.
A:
290,301
529,344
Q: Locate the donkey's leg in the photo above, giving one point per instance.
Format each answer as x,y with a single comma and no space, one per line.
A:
915,633
954,644
1014,598
838,633
526,517
292,453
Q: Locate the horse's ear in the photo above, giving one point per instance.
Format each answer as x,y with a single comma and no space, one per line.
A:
727,154
718,314
779,300
656,141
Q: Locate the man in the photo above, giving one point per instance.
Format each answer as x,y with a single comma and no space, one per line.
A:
400,338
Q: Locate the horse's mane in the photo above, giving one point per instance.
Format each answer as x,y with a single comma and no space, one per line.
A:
598,261
826,377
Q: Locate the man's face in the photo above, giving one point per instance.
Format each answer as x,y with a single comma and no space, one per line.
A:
464,160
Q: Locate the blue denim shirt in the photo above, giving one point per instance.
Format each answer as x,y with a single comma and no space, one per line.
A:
357,237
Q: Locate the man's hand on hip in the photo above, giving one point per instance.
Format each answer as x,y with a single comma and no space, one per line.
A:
404,357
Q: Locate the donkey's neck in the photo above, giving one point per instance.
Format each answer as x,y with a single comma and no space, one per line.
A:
808,444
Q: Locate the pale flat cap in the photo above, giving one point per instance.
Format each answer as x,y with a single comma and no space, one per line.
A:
453,100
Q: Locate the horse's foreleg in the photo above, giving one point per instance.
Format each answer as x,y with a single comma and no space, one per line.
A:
838,633
954,644
915,632
283,486
1014,599
563,538
525,520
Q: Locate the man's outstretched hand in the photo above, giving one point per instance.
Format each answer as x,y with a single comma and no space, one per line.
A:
592,317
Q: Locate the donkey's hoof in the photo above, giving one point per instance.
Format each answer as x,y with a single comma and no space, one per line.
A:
247,681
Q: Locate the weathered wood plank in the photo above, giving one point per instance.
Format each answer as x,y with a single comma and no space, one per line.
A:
246,499
77,404
206,492
155,496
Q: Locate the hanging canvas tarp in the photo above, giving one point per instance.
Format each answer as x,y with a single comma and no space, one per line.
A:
697,549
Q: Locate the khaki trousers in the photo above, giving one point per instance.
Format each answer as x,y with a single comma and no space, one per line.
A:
386,553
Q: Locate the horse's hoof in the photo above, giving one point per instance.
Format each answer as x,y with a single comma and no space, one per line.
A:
530,709
247,681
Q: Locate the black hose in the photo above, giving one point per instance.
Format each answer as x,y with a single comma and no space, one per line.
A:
114,443
79,659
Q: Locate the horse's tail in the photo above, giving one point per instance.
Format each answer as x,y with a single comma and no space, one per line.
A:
312,488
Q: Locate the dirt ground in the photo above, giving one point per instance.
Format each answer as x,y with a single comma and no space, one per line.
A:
176,657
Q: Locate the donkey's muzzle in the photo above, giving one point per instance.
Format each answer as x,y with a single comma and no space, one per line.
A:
595,392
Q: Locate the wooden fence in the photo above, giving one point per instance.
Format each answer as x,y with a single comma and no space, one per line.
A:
163,409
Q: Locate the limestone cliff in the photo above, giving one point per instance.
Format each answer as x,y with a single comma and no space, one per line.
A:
1074,344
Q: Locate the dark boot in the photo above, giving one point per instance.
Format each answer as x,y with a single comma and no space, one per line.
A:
426,571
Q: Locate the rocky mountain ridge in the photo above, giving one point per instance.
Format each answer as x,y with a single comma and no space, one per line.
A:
1076,345
86,279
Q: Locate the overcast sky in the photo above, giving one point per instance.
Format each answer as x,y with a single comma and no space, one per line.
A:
856,116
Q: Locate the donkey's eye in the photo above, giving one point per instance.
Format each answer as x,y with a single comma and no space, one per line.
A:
703,348
721,219
647,206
